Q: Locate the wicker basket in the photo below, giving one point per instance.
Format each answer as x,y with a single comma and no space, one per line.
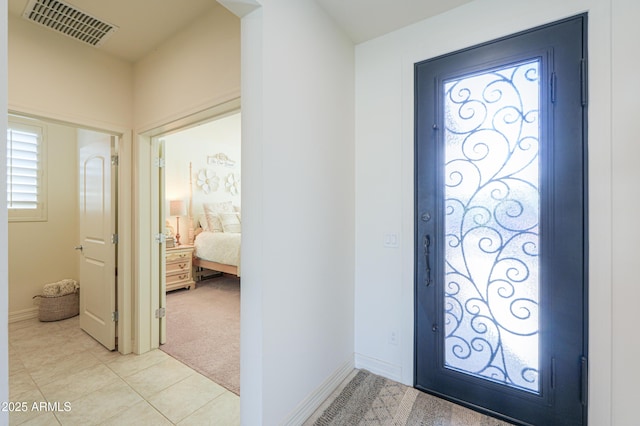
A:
54,308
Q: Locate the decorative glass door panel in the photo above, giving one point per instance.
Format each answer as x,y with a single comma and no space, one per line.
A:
492,208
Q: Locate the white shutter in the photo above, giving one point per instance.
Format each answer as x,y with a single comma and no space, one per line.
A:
25,165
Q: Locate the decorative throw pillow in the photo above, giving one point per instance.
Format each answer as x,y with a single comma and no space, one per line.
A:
211,211
230,222
203,222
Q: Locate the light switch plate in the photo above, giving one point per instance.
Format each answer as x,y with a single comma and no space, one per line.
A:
391,240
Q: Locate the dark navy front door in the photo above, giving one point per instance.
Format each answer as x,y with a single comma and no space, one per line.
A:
501,226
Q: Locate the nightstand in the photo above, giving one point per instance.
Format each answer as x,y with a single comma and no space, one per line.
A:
178,267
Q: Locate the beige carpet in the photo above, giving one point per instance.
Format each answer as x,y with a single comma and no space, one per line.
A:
367,399
203,329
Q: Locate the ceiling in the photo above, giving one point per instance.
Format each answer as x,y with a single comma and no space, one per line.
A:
363,20
144,24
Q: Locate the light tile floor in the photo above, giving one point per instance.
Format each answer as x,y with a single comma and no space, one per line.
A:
85,384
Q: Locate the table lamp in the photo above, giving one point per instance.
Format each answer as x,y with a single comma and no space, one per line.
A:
176,208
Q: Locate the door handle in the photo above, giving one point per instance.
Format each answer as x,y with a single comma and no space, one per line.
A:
78,248
427,252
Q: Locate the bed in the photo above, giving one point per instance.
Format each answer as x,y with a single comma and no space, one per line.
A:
215,235
216,251
217,240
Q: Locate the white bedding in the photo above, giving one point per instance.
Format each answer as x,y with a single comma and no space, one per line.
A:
220,247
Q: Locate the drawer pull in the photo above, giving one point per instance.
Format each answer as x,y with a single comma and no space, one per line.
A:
182,277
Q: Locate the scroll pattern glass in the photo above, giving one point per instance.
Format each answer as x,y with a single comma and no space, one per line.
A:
492,207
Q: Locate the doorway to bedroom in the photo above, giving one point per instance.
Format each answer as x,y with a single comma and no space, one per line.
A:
200,216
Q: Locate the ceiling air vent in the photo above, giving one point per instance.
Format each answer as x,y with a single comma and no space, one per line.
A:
68,20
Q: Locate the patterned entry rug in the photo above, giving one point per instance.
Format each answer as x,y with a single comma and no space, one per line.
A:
368,399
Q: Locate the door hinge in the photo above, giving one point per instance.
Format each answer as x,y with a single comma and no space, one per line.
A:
158,162
583,81
553,83
584,373
160,238
114,316
114,238
115,160
161,312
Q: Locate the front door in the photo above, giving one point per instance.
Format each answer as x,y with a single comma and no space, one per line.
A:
501,226
97,236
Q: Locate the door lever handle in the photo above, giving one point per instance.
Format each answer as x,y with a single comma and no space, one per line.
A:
78,248
427,246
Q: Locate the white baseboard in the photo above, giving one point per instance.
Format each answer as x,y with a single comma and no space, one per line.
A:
23,314
311,403
381,368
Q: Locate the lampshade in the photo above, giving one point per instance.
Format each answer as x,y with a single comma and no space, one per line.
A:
176,208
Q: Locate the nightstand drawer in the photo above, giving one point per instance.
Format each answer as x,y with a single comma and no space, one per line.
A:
180,266
179,277
179,256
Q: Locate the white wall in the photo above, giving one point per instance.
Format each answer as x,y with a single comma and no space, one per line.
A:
298,209
625,205
251,330
56,77
194,70
384,185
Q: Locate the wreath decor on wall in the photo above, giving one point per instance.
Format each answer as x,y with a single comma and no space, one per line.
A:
232,184
207,181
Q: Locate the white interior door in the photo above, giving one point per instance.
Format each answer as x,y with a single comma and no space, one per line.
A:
97,236
158,147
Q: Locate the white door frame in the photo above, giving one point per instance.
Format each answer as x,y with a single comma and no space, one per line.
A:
147,205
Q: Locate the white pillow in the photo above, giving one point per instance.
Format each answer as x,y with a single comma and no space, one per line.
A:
230,222
211,211
203,222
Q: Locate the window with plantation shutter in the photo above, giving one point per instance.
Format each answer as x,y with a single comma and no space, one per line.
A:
25,171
